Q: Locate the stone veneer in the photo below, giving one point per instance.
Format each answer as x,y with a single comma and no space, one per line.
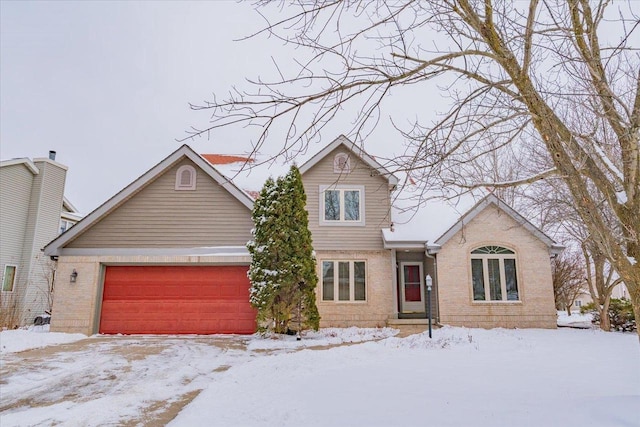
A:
536,308
377,309
76,305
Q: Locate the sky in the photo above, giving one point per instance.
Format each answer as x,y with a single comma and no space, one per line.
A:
107,85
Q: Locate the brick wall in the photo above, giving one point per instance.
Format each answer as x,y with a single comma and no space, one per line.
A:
378,306
536,308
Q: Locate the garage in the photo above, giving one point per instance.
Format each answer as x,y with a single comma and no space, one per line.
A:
176,300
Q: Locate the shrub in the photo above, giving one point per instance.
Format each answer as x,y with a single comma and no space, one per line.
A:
620,314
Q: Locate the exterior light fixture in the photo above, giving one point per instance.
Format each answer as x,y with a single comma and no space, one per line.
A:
74,276
429,282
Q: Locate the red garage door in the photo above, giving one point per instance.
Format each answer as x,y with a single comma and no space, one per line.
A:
176,300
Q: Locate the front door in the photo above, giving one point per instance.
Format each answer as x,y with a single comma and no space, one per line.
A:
411,288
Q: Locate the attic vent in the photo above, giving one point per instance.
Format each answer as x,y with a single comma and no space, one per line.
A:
186,178
341,163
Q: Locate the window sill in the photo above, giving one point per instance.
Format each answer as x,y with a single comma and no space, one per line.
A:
342,224
342,302
519,302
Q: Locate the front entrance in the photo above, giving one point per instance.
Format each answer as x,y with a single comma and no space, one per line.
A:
411,287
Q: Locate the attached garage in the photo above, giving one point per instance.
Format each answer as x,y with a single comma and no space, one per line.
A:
176,300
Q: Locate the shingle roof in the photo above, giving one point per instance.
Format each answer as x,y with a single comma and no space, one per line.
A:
225,159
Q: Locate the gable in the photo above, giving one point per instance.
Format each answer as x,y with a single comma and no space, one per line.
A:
173,220
343,144
510,221
159,215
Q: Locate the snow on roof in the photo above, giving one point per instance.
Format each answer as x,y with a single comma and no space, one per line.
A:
416,222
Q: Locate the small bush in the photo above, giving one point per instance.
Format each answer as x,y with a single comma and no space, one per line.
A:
620,314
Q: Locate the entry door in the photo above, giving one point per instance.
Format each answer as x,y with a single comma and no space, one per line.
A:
411,288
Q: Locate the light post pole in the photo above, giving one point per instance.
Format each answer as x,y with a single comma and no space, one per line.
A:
429,284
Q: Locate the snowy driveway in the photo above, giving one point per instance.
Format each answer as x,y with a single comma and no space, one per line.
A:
124,380
461,377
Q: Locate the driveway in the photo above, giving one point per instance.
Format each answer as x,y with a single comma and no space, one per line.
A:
148,379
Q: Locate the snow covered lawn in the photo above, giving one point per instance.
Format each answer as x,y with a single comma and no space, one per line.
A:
461,377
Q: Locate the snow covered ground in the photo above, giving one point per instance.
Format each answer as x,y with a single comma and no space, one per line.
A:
576,320
336,377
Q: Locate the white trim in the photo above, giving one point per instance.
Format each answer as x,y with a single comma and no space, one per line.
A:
343,140
27,163
200,251
54,247
409,306
336,281
502,270
15,276
66,204
193,176
51,162
346,168
490,199
342,222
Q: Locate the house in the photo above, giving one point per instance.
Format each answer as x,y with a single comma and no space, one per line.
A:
33,211
167,255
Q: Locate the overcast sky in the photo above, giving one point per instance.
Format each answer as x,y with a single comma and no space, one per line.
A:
107,84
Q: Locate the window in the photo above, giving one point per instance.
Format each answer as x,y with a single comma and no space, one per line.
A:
578,303
343,281
341,163
9,278
65,224
493,274
341,205
186,178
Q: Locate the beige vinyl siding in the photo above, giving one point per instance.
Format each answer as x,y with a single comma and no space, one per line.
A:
161,216
42,227
31,207
376,208
15,192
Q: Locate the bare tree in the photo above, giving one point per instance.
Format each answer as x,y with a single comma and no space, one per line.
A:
515,78
602,280
568,280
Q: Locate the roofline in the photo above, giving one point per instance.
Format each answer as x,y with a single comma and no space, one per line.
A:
69,205
196,251
343,140
489,199
54,247
23,160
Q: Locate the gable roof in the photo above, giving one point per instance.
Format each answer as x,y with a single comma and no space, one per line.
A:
183,152
24,160
346,142
488,200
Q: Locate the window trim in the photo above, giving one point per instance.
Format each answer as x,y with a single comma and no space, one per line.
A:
484,257
67,225
342,222
13,281
336,282
192,184
347,163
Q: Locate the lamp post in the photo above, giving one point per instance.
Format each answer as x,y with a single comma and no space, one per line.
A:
429,284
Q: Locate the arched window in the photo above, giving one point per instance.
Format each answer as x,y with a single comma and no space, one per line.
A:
493,274
341,163
186,178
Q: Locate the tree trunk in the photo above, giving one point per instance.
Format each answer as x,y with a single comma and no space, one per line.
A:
568,310
605,322
634,294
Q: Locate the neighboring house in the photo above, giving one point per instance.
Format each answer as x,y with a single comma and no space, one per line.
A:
619,292
167,255
33,211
